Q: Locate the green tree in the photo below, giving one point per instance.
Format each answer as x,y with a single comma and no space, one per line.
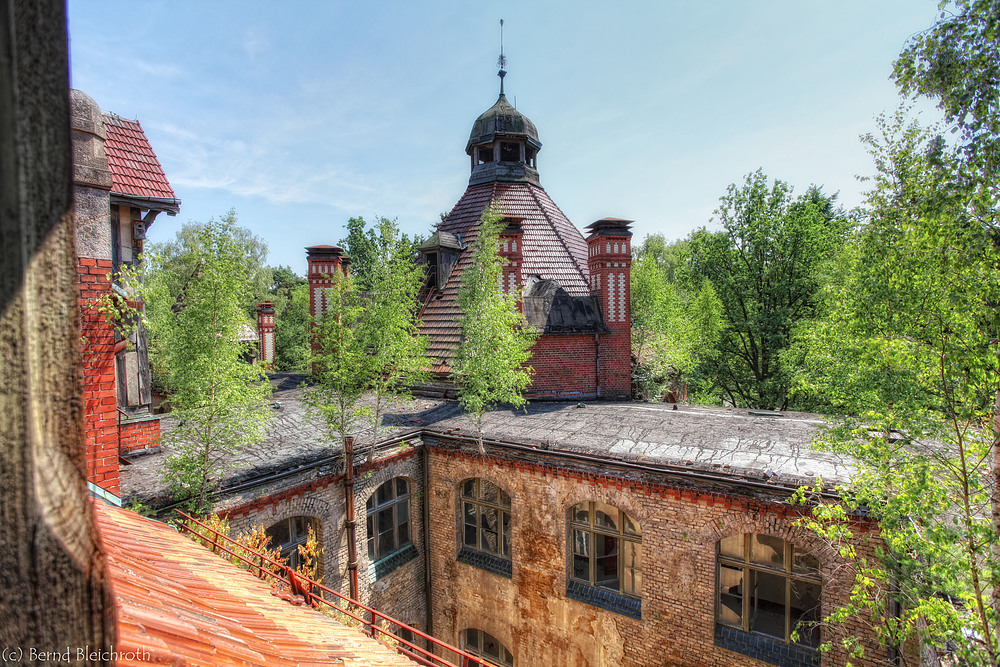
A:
172,264
340,365
388,327
218,398
365,244
489,367
290,294
764,267
906,350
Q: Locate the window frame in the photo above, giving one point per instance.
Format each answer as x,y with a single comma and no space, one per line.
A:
373,508
593,529
295,540
480,652
787,572
503,510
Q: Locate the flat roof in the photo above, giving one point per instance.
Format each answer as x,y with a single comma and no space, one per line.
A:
736,444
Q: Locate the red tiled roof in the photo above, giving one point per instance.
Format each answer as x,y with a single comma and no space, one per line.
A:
552,248
135,171
179,603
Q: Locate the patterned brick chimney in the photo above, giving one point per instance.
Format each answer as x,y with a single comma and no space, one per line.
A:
324,262
510,249
609,254
265,332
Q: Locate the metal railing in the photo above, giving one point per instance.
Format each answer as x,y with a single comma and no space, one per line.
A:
316,594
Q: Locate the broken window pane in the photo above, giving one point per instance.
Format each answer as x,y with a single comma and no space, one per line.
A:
730,609
768,550
767,603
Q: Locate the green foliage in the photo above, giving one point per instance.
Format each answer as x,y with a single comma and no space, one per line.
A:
218,398
490,366
365,245
292,349
906,348
673,328
388,329
340,366
171,265
957,63
765,267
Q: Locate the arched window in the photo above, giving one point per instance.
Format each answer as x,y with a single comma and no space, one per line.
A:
486,646
768,586
289,534
486,511
607,548
388,514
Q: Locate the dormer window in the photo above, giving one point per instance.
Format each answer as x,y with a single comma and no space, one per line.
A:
510,151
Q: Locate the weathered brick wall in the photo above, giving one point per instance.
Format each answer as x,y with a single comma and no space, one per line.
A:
530,612
100,399
565,367
139,434
400,593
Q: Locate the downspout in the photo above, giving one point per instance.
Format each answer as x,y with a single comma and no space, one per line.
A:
352,546
427,540
597,343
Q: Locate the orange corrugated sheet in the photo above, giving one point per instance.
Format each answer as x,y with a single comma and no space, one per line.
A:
180,604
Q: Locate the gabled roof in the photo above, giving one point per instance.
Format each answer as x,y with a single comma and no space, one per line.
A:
180,604
135,171
552,248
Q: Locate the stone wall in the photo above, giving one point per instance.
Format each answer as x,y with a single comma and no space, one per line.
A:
530,611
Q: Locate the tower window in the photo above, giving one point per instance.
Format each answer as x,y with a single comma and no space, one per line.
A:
510,151
485,154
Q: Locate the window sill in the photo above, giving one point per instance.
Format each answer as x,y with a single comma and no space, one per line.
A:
485,561
765,649
605,599
387,564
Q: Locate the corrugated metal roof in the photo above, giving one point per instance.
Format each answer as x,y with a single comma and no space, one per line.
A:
552,248
179,603
135,171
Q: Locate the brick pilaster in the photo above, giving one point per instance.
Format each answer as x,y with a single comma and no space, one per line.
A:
265,332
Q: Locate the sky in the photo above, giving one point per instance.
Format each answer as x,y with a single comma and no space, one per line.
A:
301,115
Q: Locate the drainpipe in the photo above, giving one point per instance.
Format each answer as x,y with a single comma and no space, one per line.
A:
352,545
597,343
427,541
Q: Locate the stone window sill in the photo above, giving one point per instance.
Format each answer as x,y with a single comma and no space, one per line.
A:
605,599
765,649
387,564
486,561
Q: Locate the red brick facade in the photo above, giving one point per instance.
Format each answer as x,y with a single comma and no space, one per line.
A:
100,399
138,435
265,333
565,366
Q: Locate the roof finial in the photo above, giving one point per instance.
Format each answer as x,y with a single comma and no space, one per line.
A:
502,60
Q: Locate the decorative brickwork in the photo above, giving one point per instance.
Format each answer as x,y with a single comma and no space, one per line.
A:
609,254
265,333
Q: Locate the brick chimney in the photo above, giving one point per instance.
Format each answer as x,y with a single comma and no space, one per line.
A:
510,249
265,332
609,254
324,262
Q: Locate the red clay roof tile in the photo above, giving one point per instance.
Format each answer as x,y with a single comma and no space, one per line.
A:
135,171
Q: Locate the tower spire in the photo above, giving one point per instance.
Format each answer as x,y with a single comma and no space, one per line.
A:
502,60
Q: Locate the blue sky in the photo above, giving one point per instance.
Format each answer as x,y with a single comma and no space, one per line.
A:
301,115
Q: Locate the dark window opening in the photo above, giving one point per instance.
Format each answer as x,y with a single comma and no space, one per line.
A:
510,152
485,154
486,646
486,518
289,534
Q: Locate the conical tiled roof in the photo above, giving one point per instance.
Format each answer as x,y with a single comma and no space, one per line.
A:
552,248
